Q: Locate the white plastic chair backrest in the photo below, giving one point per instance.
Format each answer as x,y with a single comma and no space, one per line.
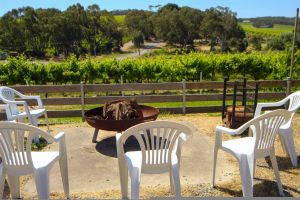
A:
294,102
7,93
157,140
15,144
265,127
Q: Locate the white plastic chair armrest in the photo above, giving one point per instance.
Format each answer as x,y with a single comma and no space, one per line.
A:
118,135
59,136
37,98
183,137
49,138
222,129
266,105
24,103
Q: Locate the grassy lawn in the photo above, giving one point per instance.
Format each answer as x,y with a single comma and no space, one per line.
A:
277,30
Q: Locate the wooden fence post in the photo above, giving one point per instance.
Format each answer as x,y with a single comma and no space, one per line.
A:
288,86
201,77
82,100
183,96
121,80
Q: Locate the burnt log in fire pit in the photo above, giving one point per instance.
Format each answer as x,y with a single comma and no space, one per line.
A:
92,118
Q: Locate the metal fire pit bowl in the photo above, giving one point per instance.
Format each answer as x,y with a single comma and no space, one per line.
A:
149,114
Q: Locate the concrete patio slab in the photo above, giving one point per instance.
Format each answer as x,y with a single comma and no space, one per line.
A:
94,166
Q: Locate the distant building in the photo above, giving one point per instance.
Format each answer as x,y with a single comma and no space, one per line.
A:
246,21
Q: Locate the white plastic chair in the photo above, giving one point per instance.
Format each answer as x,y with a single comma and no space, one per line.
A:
9,96
247,149
160,143
18,159
285,131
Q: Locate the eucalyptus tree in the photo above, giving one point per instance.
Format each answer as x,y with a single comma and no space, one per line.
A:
177,25
220,26
140,21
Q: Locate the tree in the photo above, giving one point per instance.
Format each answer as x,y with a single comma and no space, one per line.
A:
177,25
169,7
282,42
255,41
138,40
139,21
220,26
40,32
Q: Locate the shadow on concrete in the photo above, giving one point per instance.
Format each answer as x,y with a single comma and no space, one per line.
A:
108,146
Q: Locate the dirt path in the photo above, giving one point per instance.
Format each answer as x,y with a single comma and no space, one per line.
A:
148,46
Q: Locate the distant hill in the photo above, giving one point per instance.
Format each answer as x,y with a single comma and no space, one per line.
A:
120,12
276,30
270,20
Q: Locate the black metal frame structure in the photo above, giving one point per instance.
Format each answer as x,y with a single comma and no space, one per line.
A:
242,94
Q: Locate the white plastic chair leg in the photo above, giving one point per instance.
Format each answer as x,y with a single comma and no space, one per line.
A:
176,180
123,170
47,122
282,144
214,165
63,164
34,121
287,139
42,183
246,173
276,172
14,186
2,180
124,181
135,177
172,187
254,168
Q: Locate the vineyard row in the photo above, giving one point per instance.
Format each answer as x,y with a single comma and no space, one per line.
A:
165,68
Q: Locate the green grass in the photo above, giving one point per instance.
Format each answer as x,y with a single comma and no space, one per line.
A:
120,19
277,30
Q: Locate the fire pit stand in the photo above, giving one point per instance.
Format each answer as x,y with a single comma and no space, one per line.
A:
149,114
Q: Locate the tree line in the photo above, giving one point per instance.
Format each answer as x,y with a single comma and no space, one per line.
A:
81,31
50,32
271,20
181,26
92,31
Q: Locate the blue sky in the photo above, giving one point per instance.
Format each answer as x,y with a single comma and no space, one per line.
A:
244,8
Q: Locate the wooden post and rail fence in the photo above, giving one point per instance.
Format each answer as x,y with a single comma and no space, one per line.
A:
97,94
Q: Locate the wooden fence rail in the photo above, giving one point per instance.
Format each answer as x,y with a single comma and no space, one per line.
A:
84,94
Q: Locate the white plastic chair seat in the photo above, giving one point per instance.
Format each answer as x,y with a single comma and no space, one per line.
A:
134,160
44,159
240,146
40,159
